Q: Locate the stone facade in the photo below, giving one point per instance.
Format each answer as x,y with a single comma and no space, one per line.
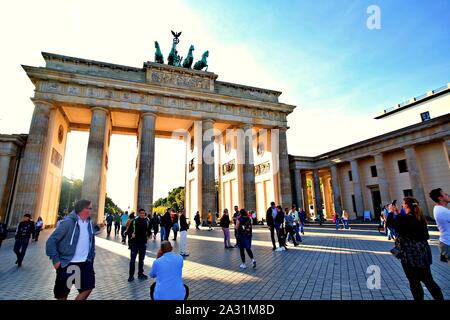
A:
371,173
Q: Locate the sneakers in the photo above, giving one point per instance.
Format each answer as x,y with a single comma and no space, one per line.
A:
184,254
283,248
254,263
142,277
130,278
274,248
243,266
279,249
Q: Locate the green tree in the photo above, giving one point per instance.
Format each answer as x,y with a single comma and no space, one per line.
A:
174,200
110,206
70,193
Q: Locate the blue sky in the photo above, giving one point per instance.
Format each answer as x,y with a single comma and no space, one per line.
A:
320,54
326,50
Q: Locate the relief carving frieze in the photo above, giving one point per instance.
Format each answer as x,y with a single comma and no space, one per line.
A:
47,88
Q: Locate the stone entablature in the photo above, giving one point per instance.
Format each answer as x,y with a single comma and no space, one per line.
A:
11,144
66,88
160,74
435,129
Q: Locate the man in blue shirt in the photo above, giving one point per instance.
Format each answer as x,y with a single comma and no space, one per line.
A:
167,269
124,219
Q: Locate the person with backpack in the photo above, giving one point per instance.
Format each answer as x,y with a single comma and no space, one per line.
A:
109,220
25,230
38,227
413,249
295,226
235,217
184,226
140,231
175,225
244,228
3,232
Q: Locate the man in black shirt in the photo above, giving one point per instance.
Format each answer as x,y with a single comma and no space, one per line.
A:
141,231
166,224
270,215
24,231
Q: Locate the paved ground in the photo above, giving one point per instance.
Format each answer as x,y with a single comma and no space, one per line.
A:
329,264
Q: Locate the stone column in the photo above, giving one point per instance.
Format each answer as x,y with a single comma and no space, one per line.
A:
304,192
208,177
382,179
298,187
30,178
317,193
248,169
416,179
284,173
336,189
93,174
357,189
146,162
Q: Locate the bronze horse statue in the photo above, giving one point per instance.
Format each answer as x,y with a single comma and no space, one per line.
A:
199,65
187,63
158,55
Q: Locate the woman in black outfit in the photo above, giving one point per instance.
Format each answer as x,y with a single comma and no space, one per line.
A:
415,252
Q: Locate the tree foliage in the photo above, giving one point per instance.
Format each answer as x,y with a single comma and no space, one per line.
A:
174,200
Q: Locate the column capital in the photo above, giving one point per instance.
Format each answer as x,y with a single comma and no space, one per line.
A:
409,147
43,103
148,114
100,109
209,120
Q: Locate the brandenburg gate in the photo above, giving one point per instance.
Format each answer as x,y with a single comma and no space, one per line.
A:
155,101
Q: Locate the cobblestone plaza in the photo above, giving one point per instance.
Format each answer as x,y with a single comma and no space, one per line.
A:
329,265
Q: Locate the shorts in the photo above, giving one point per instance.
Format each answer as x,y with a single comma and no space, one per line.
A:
84,279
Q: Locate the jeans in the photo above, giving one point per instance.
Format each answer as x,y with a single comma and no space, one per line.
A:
20,248
416,276
345,222
183,240
297,234
108,228
137,248
337,224
124,236
390,232
162,233
36,233
226,237
249,252
302,225
116,229
272,235
166,233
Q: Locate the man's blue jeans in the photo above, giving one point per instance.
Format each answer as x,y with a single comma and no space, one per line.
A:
163,233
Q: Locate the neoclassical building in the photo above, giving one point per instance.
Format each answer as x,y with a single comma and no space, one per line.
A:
242,129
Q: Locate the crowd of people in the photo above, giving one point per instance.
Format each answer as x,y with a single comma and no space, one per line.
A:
72,243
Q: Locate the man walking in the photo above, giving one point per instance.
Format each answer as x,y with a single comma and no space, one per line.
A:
140,232
270,218
166,224
123,219
109,220
197,220
116,224
183,234
25,230
71,247
442,216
